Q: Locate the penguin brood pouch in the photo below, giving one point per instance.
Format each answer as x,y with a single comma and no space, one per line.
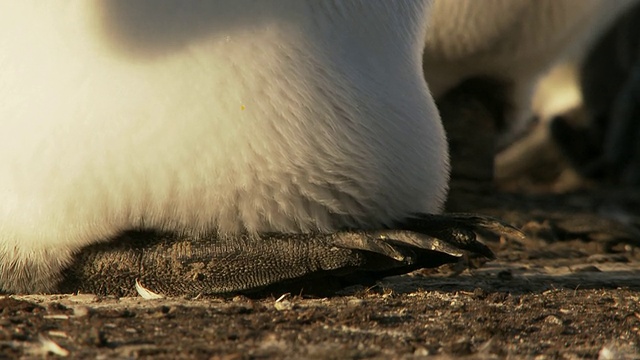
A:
219,147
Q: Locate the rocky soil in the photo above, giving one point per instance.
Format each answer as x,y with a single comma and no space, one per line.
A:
571,290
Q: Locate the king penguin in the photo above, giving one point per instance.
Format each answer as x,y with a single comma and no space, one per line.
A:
225,145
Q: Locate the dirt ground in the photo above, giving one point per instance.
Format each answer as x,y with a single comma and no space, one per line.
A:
571,290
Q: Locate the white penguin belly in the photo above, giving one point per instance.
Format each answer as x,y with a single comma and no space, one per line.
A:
294,118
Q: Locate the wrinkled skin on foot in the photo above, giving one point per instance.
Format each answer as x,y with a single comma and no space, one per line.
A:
176,265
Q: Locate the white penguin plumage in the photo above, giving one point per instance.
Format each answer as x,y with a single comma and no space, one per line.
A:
514,41
258,116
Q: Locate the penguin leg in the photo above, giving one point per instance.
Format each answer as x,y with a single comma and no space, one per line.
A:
175,265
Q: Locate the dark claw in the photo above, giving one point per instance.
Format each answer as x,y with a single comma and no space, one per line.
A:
372,242
427,223
459,229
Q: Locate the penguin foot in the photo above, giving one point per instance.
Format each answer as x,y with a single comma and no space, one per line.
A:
175,265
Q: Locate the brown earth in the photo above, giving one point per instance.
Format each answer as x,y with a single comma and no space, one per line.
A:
571,290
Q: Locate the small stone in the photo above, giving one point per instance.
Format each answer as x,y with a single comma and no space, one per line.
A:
81,311
552,319
421,352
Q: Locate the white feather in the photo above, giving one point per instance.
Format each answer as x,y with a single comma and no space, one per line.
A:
198,116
